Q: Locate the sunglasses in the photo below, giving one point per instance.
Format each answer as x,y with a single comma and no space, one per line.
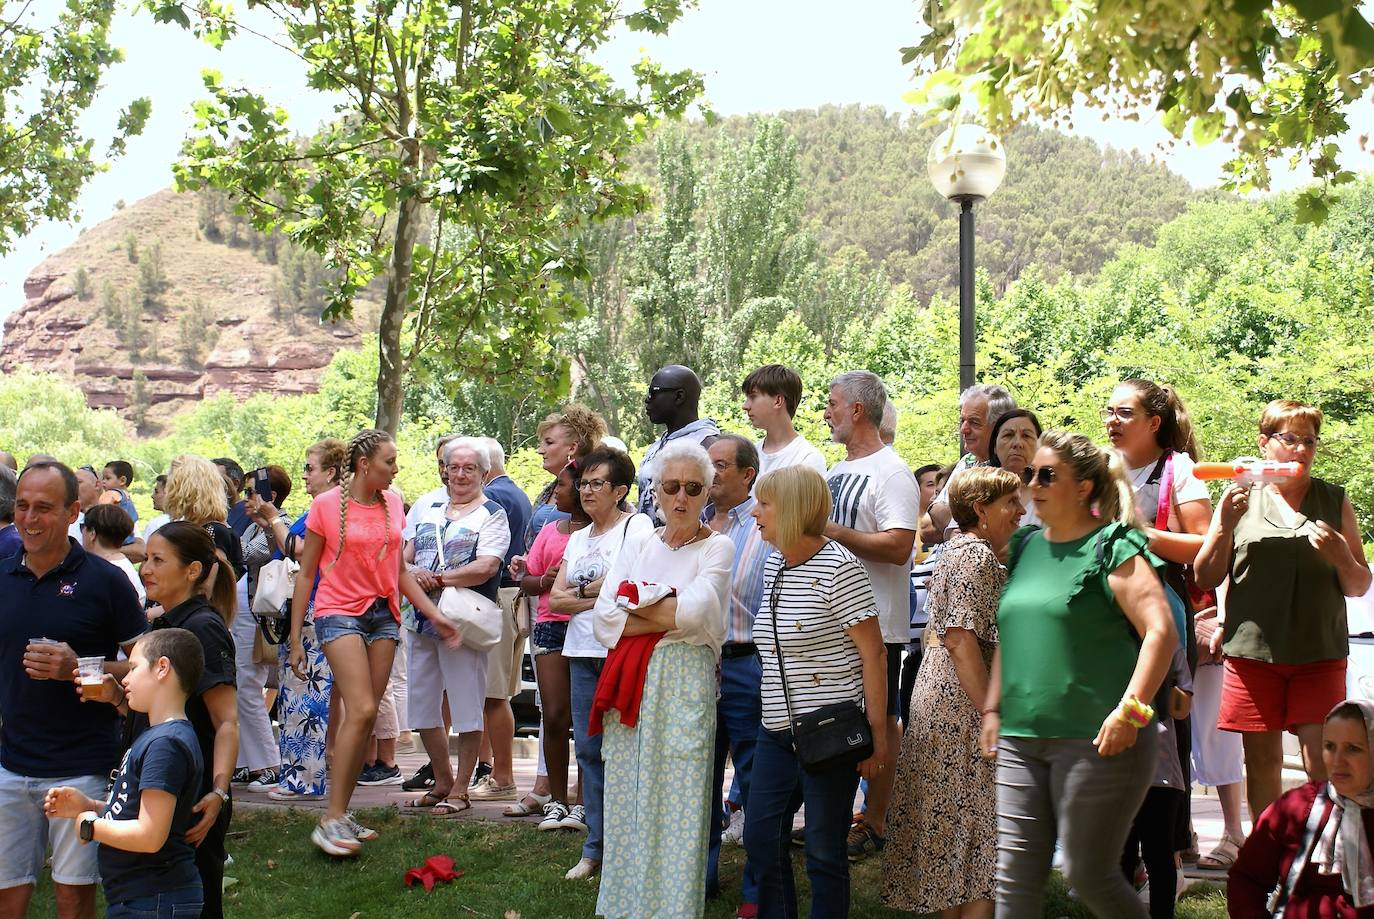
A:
655,390
670,487
307,469
1043,476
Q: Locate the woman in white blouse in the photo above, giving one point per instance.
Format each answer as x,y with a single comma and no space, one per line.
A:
658,771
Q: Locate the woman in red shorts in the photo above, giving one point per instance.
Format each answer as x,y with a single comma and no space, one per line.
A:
1293,554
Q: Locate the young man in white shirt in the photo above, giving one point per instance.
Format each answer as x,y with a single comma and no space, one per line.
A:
771,396
875,516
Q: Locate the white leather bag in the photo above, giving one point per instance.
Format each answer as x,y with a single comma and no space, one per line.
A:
276,584
477,619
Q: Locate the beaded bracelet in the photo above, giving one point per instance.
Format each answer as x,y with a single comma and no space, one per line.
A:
1134,712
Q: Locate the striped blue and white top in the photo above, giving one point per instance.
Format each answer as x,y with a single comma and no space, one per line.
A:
811,607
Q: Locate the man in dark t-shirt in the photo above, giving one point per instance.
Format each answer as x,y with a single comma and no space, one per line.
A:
57,603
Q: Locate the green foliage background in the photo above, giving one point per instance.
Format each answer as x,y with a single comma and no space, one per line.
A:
1233,302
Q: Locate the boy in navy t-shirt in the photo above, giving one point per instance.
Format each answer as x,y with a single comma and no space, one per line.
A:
146,865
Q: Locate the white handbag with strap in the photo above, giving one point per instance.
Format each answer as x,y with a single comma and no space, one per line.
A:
276,584
477,619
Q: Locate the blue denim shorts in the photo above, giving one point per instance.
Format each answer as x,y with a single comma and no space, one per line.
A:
372,624
548,637
185,903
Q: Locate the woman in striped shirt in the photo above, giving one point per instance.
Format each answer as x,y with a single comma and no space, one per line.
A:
820,613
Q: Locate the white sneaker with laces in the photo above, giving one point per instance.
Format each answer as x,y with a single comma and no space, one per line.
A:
734,833
554,813
335,838
360,832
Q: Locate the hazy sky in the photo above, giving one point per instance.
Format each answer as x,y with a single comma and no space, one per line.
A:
757,55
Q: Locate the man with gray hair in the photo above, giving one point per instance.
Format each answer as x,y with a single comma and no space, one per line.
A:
979,408
874,516
10,543
504,660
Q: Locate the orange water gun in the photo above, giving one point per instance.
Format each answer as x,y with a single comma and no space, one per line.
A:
1248,470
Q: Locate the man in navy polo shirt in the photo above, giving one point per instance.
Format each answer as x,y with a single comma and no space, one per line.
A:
80,605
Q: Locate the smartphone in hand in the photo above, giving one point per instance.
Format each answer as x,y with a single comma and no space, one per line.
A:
261,485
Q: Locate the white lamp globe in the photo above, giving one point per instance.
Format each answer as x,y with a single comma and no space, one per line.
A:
966,161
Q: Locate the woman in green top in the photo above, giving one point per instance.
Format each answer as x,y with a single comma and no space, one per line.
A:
1086,638
1293,553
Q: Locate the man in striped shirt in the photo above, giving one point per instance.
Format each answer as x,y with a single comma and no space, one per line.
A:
738,710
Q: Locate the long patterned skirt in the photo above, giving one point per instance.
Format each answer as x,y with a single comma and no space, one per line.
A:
303,711
658,791
942,825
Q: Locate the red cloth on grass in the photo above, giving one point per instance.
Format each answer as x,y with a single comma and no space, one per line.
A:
436,868
621,686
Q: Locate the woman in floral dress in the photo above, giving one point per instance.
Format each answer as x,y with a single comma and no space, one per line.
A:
942,846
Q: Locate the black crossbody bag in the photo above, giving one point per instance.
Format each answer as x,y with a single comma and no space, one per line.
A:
833,735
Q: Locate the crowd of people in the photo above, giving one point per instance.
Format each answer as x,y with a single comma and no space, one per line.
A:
1023,659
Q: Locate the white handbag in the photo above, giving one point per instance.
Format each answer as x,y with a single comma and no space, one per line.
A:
276,585
477,619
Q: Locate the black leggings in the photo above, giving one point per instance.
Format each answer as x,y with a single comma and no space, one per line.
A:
1152,841
210,863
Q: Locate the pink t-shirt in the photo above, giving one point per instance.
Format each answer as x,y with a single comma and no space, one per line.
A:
547,552
359,578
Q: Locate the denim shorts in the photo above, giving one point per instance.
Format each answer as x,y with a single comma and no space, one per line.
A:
548,637
372,624
26,833
185,903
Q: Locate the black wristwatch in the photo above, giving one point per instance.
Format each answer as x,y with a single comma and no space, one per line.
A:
86,829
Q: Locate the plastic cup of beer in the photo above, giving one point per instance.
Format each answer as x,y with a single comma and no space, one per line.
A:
91,669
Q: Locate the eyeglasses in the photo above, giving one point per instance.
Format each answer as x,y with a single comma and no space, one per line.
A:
590,484
464,469
722,465
670,487
1292,441
1043,476
1122,413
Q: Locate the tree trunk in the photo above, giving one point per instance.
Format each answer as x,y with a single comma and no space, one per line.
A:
391,364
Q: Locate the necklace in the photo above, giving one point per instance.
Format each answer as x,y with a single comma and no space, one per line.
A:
672,548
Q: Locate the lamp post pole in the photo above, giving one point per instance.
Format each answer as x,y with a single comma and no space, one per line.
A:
966,164
967,323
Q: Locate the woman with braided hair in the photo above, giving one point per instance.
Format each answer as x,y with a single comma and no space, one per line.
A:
355,529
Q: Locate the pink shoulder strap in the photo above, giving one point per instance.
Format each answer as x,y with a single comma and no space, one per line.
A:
1166,492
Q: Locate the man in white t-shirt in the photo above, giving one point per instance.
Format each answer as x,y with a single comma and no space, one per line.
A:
771,396
874,515
979,408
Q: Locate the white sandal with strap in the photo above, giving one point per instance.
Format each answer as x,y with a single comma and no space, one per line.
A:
522,809
1223,856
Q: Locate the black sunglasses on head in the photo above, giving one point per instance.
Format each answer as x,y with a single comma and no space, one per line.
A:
1043,476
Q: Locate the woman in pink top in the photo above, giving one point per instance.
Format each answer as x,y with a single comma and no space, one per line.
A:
537,573
356,530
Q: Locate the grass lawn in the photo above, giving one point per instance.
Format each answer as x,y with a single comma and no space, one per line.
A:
510,869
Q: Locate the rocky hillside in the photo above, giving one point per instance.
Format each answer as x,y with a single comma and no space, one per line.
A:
173,299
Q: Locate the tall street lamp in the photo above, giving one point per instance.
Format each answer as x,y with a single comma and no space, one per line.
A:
966,164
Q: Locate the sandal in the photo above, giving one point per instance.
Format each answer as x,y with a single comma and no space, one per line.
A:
522,808
423,804
1223,856
448,808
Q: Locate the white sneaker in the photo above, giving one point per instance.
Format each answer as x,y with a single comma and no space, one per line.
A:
360,832
554,813
576,819
335,838
734,833
587,867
